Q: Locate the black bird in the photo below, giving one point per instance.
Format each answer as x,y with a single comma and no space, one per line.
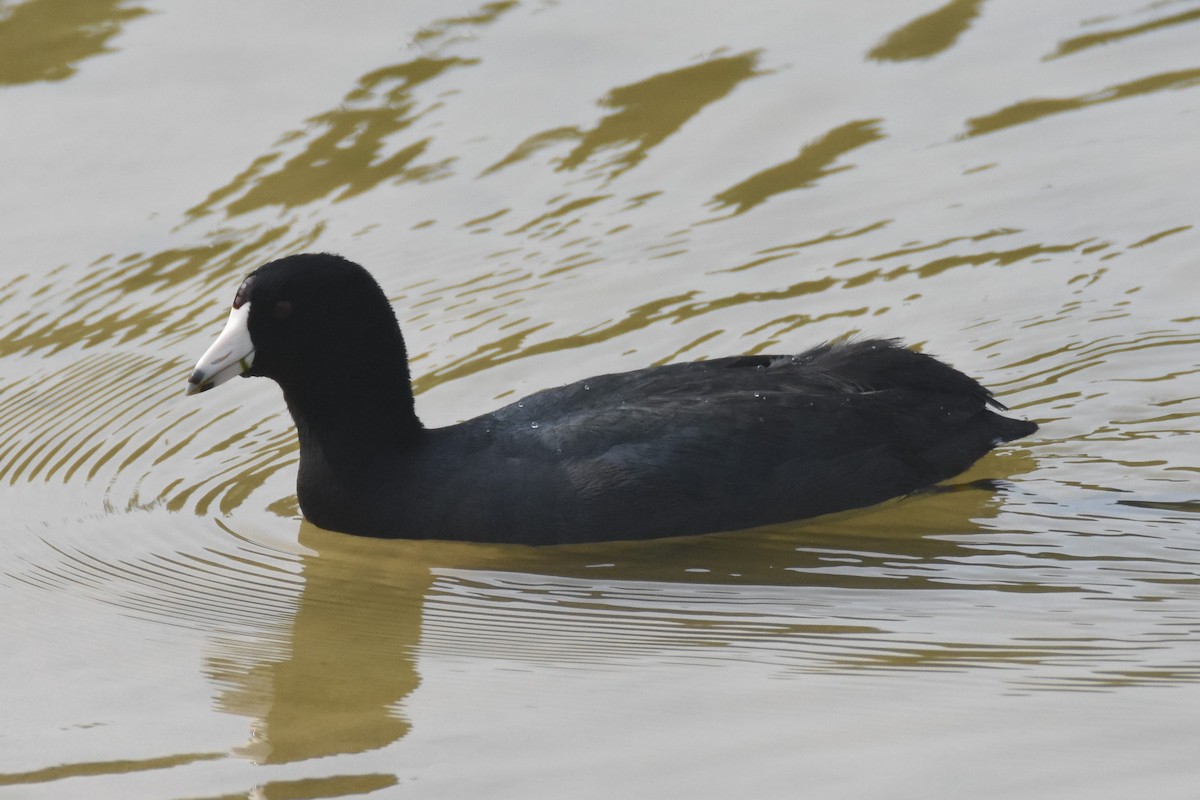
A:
680,449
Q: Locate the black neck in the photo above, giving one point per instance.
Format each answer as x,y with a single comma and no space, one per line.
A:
364,404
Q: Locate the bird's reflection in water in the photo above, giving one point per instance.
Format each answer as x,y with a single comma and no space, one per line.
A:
368,608
350,656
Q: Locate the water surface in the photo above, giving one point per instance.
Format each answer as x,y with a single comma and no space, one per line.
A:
551,190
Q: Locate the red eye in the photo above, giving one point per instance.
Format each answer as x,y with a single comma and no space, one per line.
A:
283,309
243,293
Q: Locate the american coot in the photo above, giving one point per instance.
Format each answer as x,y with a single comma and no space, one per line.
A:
681,449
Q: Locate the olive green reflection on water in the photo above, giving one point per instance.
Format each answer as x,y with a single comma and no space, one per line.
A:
521,342
155,297
928,35
815,161
776,252
562,210
1033,110
348,662
673,308
234,484
487,14
44,40
1074,45
48,428
91,769
644,115
311,788
344,152
110,415
998,257
345,156
1188,507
